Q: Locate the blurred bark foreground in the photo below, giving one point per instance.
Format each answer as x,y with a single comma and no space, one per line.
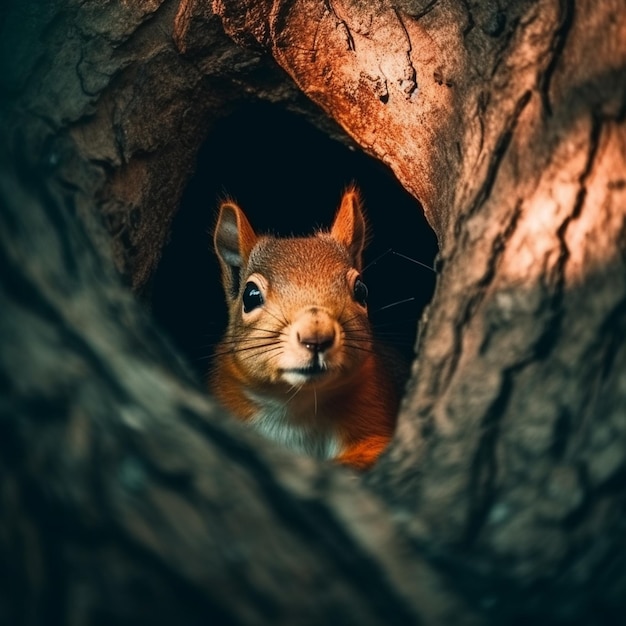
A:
127,497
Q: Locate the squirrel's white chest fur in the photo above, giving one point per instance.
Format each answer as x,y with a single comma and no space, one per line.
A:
305,436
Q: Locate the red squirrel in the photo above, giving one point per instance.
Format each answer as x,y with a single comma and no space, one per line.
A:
298,360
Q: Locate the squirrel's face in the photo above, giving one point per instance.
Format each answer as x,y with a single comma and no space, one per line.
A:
300,316
297,306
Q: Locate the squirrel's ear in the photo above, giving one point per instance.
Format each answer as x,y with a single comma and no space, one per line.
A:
349,225
233,239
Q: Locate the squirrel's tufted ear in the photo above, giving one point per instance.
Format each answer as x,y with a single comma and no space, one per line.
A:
349,226
233,240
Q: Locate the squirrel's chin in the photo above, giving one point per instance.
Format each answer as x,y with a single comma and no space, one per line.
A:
305,375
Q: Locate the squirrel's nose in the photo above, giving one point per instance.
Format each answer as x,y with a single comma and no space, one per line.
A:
317,340
315,329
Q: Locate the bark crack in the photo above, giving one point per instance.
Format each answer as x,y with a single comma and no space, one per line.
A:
484,468
470,18
499,152
475,299
408,84
425,10
553,328
343,23
557,45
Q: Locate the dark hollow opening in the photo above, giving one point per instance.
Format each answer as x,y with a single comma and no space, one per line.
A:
288,177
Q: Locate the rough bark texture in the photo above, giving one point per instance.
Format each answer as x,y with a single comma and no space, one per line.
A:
118,98
502,497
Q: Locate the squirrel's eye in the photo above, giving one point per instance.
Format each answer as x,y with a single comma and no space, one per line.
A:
360,291
252,297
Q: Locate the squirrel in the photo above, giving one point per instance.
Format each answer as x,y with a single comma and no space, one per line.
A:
298,360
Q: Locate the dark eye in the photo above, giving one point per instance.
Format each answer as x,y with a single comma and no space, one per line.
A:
252,297
360,291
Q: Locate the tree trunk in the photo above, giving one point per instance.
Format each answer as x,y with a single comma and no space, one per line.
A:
501,499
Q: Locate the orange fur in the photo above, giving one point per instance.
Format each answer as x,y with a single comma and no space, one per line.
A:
298,360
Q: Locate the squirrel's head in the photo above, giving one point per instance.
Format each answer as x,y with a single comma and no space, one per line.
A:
304,293
234,239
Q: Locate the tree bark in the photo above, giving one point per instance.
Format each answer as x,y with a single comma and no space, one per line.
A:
117,99
501,500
